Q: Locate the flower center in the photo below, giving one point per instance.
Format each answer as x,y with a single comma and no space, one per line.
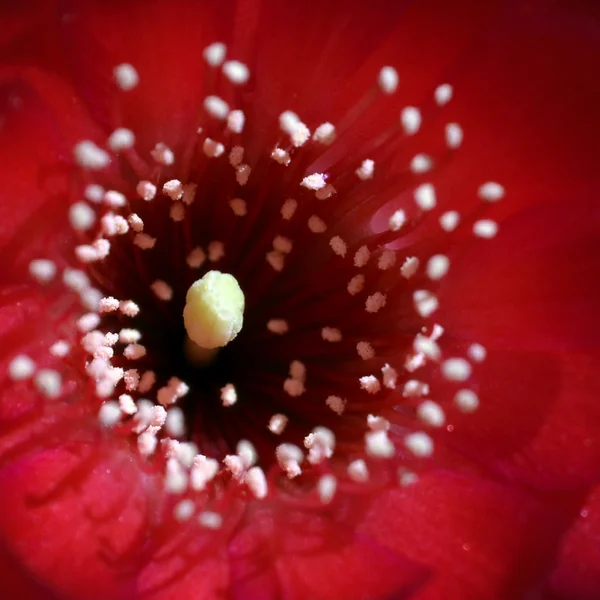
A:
329,381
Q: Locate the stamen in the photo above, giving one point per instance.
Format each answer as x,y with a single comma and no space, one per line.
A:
214,308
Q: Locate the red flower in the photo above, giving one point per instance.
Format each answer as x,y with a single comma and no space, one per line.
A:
476,475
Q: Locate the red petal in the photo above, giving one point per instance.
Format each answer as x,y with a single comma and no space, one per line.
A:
484,541
528,296
577,576
88,502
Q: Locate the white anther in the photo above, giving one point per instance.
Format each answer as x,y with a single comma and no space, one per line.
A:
476,352
338,246
485,228
376,423
135,222
109,414
126,76
409,267
238,206
42,270
431,413
94,193
48,382
288,209
336,404
60,349
370,384
162,290
425,196
176,479
443,94
242,174
202,472
356,284
127,405
361,257
247,453
236,156
237,72
491,191
456,369
228,395
81,216
210,520
109,304
276,260
414,388
88,322
324,134
365,350
466,400
115,199
388,80
316,224
162,154
397,220
216,251
325,192
236,121
410,118
121,139
282,244
320,444
212,149
21,367
290,123
174,189
196,258
375,302
326,487
216,107
357,471
184,510
298,370
89,156
146,190
421,163
419,443
331,334
177,212
257,482
378,444
129,336
277,423
129,308
214,54
426,346
425,302
279,326
454,135
281,156
144,241
289,458
387,260
293,387
366,170
449,220
389,376
437,266
316,181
